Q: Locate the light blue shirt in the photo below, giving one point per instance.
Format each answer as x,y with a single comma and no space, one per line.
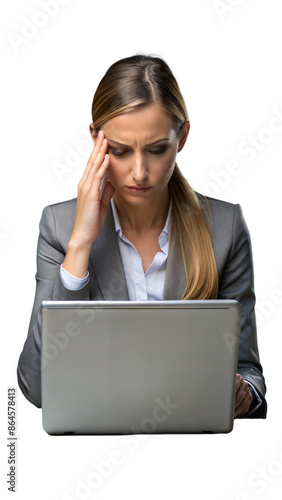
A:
140,285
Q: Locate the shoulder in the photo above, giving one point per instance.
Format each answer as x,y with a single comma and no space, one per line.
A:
223,214
228,226
62,207
57,221
217,207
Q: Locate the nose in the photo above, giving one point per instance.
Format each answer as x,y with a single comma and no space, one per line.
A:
139,170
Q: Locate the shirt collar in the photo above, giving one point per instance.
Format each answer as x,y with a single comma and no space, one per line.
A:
116,218
165,230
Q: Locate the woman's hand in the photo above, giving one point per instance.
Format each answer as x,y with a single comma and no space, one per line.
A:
91,209
243,397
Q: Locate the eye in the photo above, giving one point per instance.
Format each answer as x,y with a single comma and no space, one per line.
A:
117,152
158,151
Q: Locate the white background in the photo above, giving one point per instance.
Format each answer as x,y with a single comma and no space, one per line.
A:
226,56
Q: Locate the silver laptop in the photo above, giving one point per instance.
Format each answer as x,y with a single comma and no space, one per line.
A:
139,367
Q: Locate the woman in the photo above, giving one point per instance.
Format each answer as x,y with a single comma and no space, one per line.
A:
137,230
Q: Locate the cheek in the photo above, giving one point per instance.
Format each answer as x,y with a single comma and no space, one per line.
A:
116,171
168,173
166,168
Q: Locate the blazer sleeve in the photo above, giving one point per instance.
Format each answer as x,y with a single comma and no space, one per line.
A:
50,255
237,282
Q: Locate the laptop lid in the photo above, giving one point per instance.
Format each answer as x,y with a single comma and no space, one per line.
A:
139,367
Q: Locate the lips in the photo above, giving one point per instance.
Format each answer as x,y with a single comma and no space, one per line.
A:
139,189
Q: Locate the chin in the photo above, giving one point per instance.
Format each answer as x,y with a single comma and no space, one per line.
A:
138,200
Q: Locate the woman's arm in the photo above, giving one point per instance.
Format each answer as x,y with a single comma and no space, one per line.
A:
237,282
49,286
68,242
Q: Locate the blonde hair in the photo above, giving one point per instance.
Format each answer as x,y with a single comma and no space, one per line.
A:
139,81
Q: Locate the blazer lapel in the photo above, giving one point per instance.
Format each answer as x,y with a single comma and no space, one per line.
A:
175,280
107,264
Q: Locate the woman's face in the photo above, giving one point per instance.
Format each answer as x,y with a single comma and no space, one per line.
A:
142,148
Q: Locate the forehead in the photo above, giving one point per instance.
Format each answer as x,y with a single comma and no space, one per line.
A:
143,125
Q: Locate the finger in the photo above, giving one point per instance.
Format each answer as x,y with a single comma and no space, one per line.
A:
98,166
107,194
95,177
239,381
242,389
97,169
99,148
244,406
91,185
243,396
240,396
95,160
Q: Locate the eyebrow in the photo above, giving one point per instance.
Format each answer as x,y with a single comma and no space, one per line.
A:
127,146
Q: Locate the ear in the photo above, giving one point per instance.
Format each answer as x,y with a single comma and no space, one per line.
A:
184,134
93,133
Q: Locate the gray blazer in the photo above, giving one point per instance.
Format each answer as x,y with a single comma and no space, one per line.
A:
233,254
